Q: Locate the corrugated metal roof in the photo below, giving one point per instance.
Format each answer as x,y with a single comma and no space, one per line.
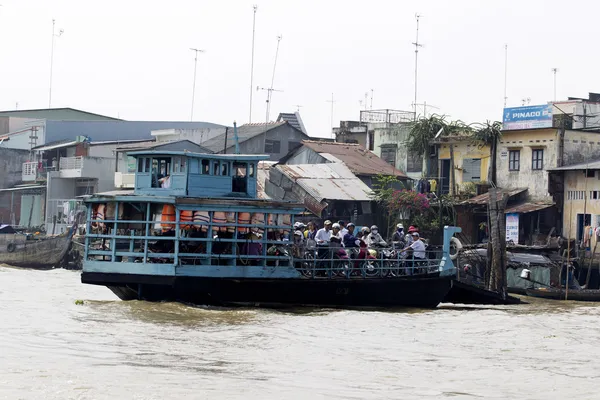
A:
357,158
56,145
485,198
331,181
294,119
244,132
525,208
578,167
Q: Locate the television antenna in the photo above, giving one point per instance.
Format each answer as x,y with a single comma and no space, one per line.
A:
54,35
332,101
254,7
417,45
196,51
554,71
525,101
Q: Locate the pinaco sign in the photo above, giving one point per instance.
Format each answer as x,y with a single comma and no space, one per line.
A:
527,117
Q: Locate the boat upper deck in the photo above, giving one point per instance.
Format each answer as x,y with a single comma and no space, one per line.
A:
187,174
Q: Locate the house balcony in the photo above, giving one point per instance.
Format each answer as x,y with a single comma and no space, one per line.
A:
32,172
76,167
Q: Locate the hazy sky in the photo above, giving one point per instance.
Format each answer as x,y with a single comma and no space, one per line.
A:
131,58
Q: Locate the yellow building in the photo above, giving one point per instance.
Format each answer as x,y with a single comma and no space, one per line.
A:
581,198
469,161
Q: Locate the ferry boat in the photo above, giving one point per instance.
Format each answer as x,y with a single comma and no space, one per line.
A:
194,230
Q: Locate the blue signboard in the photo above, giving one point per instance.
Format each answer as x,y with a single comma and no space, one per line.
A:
527,117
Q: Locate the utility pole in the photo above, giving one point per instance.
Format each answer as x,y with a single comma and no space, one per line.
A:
505,72
254,7
332,102
554,71
54,35
417,45
196,51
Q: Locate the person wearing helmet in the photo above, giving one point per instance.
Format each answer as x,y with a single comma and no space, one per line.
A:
374,239
408,239
417,246
349,239
336,236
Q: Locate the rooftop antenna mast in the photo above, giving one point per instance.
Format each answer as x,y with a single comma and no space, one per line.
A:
270,91
196,51
298,107
417,45
54,35
554,71
332,102
371,107
505,72
254,7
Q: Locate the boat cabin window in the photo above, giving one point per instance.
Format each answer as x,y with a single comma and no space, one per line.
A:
215,168
161,168
251,174
205,167
143,164
224,168
240,178
178,165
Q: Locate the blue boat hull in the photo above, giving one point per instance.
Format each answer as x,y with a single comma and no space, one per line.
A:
413,291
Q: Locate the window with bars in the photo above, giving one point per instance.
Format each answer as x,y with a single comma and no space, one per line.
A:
388,154
537,159
272,146
414,162
514,160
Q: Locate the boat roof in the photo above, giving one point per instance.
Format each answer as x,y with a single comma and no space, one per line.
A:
128,195
245,157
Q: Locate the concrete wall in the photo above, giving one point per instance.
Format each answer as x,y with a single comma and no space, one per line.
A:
394,134
284,133
462,150
11,166
525,141
580,147
580,194
21,140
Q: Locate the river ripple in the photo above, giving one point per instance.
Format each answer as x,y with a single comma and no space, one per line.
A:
52,348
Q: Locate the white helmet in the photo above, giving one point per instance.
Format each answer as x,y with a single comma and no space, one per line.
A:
400,226
336,226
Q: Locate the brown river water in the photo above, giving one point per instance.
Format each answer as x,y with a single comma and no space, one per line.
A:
52,348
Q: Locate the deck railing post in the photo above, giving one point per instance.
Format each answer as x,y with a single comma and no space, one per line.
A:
147,231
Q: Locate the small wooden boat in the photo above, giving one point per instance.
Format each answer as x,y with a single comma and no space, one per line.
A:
560,294
45,253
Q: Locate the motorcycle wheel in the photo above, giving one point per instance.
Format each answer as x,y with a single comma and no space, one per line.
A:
308,262
370,268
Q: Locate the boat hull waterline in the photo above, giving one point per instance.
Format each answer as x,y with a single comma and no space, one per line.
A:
40,254
421,292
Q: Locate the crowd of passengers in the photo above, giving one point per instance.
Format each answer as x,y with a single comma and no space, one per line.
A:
345,235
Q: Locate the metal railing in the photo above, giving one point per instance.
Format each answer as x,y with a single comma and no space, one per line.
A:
71,163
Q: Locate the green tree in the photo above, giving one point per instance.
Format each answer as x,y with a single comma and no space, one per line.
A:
489,134
423,132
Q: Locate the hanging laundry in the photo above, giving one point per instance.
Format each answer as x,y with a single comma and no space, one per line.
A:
433,185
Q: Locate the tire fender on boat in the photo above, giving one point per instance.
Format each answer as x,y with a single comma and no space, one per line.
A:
11,247
458,245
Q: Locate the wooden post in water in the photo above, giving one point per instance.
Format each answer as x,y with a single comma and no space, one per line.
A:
569,251
497,245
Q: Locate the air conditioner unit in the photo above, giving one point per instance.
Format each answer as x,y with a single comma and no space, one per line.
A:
124,181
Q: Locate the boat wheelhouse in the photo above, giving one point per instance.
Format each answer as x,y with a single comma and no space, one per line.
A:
194,230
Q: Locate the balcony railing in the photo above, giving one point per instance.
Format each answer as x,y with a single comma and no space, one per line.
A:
33,171
71,163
